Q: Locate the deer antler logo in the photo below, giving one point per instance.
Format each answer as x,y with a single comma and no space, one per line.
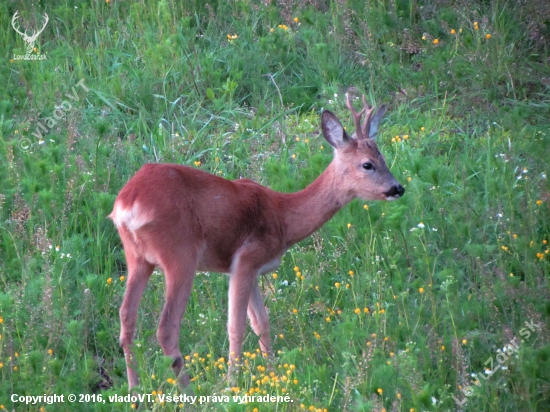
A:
30,40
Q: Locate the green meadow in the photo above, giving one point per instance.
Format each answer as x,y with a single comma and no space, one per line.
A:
439,301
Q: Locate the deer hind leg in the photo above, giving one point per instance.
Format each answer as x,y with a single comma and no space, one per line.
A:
139,271
259,319
179,281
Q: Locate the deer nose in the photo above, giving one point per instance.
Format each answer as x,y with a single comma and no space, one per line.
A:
395,191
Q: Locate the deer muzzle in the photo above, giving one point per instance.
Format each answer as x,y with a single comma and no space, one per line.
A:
395,192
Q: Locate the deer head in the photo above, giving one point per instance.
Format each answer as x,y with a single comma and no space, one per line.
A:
30,40
357,157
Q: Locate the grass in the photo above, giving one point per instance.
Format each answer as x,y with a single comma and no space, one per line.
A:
390,306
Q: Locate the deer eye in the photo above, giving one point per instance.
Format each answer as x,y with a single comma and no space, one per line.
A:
368,166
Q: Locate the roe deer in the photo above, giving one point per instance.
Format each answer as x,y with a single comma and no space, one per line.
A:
185,220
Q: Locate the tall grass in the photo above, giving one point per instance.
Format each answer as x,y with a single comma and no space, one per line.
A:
390,306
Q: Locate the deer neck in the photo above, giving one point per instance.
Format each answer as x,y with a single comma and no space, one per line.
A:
310,208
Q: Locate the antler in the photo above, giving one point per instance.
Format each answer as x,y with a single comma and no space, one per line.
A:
368,113
35,35
47,19
27,38
14,21
356,117
362,132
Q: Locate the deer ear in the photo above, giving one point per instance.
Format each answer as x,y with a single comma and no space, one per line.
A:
333,130
375,121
